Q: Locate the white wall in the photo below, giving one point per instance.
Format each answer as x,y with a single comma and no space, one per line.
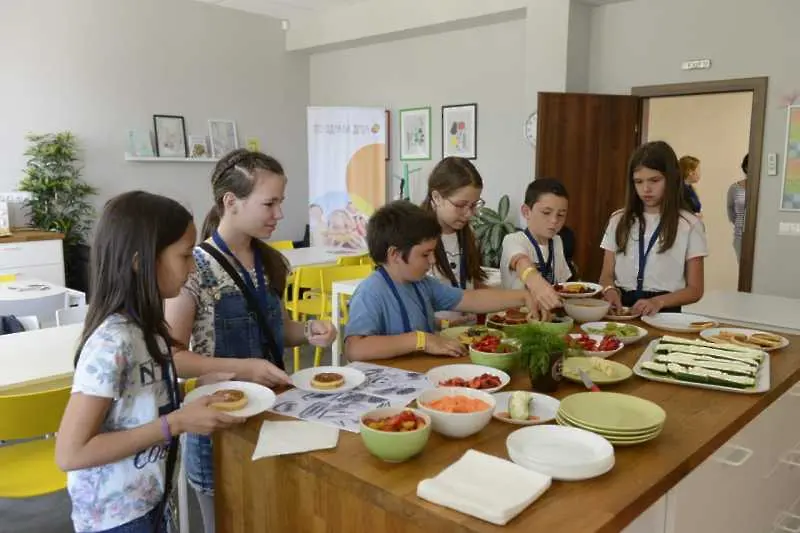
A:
484,65
644,42
101,67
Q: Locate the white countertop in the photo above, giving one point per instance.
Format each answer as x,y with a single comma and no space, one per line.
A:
758,311
28,289
38,354
316,255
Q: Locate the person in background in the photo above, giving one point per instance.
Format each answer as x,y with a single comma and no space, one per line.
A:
392,310
534,258
737,207
229,317
654,249
568,242
454,195
690,172
118,436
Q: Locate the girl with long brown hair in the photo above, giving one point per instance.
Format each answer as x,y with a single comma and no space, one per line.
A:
654,247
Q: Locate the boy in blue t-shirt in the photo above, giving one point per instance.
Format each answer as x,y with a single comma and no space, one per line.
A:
392,311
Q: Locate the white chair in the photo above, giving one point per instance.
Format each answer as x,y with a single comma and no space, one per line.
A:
71,315
29,322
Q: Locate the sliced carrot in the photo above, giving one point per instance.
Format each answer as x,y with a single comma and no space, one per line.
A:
458,404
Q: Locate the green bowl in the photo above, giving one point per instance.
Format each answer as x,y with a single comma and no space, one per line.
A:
559,328
390,446
507,362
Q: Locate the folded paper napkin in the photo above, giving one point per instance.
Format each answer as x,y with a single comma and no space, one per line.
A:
485,486
284,438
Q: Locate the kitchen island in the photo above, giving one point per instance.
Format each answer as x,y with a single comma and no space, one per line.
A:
348,490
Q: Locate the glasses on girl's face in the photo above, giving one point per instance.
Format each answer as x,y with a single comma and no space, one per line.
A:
467,206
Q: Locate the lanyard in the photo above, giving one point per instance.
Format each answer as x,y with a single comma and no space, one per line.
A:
403,310
545,269
260,293
643,254
462,267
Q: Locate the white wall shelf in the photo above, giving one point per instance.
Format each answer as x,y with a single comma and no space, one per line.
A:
170,159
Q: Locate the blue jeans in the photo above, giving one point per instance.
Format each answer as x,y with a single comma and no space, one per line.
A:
236,334
143,524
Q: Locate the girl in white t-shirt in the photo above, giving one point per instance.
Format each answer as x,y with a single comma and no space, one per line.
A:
454,195
534,258
654,249
118,436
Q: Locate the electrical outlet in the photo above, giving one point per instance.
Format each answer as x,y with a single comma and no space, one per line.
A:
772,164
14,197
789,229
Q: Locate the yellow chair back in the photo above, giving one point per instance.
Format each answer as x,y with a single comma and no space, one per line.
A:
282,245
342,273
7,278
350,260
32,414
367,260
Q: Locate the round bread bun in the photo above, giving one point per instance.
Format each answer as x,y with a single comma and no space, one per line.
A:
327,380
228,400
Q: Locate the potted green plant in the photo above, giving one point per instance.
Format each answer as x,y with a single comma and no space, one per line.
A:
490,228
60,198
542,354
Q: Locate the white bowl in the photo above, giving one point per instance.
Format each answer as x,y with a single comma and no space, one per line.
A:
466,371
597,339
586,310
456,425
599,328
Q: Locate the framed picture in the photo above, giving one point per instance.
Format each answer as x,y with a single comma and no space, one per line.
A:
388,139
415,134
198,147
223,137
460,131
790,195
170,133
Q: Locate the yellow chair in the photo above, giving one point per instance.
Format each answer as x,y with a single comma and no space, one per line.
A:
282,245
307,278
367,260
343,273
7,278
350,260
29,468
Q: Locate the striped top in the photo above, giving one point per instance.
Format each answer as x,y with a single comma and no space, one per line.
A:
737,202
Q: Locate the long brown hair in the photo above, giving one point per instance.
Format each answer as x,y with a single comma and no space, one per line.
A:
235,173
658,156
447,177
135,228
688,164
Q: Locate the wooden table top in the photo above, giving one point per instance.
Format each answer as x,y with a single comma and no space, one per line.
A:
699,421
29,235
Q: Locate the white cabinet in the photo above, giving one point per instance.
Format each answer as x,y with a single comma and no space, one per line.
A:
42,260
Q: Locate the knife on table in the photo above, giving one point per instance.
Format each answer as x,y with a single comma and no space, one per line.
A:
587,381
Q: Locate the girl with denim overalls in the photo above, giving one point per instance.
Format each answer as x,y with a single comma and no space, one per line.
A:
216,319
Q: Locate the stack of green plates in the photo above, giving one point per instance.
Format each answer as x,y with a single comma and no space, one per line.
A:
622,419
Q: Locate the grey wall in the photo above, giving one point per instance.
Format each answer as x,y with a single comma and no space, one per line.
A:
101,67
483,65
644,42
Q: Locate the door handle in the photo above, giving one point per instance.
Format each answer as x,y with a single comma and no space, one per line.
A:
733,456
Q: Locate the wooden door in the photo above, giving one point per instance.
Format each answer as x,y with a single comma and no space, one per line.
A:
585,141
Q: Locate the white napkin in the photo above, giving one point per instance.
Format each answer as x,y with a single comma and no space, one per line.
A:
284,438
485,486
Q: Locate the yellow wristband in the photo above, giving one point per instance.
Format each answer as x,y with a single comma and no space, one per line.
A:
190,385
526,273
422,341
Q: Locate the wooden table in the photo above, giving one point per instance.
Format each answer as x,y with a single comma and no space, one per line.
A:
349,490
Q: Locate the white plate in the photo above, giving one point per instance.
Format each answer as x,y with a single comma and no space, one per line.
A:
259,397
597,339
623,318
678,322
561,452
708,335
642,333
594,286
352,378
445,372
543,406
762,378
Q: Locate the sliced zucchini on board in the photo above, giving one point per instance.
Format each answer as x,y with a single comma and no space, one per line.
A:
669,339
707,362
655,368
751,359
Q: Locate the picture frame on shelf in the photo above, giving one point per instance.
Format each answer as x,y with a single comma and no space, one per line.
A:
170,135
415,134
140,144
460,131
223,135
388,138
198,147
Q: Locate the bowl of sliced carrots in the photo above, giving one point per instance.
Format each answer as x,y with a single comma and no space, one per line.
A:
457,412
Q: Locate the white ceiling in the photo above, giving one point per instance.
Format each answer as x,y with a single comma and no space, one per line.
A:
282,9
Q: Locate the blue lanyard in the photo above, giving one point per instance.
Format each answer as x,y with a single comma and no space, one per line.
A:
403,310
260,292
462,267
643,254
545,269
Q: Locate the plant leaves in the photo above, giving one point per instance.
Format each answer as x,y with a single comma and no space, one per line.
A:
503,206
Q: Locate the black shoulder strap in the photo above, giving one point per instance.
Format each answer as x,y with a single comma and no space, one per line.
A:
270,347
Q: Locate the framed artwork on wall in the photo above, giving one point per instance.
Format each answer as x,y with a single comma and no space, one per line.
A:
790,196
170,132
415,134
388,140
460,131
223,137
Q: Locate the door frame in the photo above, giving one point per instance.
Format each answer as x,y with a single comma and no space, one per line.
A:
757,86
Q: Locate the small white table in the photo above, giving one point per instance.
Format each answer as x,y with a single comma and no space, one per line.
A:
37,355
317,255
32,297
758,311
